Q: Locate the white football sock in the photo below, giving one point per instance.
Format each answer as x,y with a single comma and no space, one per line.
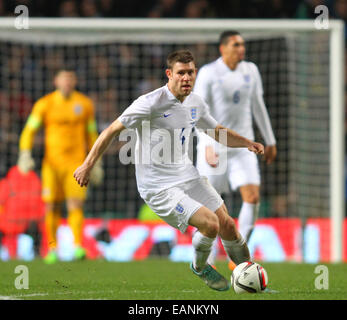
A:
202,246
237,250
213,255
247,217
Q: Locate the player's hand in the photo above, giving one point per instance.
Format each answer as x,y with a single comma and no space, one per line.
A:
97,174
270,154
256,147
82,174
212,158
25,161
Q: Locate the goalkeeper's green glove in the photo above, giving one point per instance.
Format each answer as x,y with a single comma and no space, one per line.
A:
97,174
25,161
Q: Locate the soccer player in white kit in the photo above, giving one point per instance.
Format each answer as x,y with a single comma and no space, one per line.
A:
233,90
173,188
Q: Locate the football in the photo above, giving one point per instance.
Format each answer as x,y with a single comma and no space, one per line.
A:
249,277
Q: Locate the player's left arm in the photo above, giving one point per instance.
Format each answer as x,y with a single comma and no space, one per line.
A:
232,139
224,135
262,118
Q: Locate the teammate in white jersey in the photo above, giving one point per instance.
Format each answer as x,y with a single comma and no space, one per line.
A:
174,189
233,90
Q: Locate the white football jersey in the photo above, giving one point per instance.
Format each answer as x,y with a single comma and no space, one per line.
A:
163,126
234,97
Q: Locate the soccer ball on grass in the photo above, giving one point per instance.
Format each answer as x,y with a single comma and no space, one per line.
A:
249,277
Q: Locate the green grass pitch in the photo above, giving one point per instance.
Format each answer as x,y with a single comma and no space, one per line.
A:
160,279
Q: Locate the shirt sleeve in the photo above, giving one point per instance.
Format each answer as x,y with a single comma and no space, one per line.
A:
260,113
137,112
36,116
206,121
258,82
202,84
33,124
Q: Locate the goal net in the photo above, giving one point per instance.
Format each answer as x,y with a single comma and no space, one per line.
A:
118,60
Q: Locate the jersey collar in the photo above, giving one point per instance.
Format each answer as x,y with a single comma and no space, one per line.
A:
225,67
169,93
59,94
171,96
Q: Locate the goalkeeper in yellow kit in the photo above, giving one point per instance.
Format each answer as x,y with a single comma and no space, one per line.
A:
70,131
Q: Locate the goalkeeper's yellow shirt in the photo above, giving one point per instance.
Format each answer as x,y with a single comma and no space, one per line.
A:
69,124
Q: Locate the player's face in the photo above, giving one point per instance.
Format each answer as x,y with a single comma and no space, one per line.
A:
234,50
65,82
181,79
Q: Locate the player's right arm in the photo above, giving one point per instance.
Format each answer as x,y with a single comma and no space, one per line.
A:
25,161
82,173
262,118
132,117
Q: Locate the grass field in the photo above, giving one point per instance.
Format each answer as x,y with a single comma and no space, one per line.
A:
158,279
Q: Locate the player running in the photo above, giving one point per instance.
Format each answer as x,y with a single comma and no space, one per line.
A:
174,190
233,90
70,128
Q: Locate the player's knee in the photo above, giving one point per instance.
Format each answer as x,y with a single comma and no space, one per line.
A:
222,210
211,226
214,227
73,204
49,207
229,225
228,230
52,207
250,194
252,198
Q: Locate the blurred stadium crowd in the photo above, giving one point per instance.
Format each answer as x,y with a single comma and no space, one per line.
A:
100,71
176,8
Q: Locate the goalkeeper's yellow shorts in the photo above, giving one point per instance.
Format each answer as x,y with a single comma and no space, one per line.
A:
58,184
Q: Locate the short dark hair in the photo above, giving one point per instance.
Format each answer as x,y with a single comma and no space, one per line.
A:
224,36
65,69
183,56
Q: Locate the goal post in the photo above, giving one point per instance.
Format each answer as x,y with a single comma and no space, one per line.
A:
302,69
337,137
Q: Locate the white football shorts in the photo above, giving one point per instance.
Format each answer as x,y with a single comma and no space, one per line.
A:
242,168
177,204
